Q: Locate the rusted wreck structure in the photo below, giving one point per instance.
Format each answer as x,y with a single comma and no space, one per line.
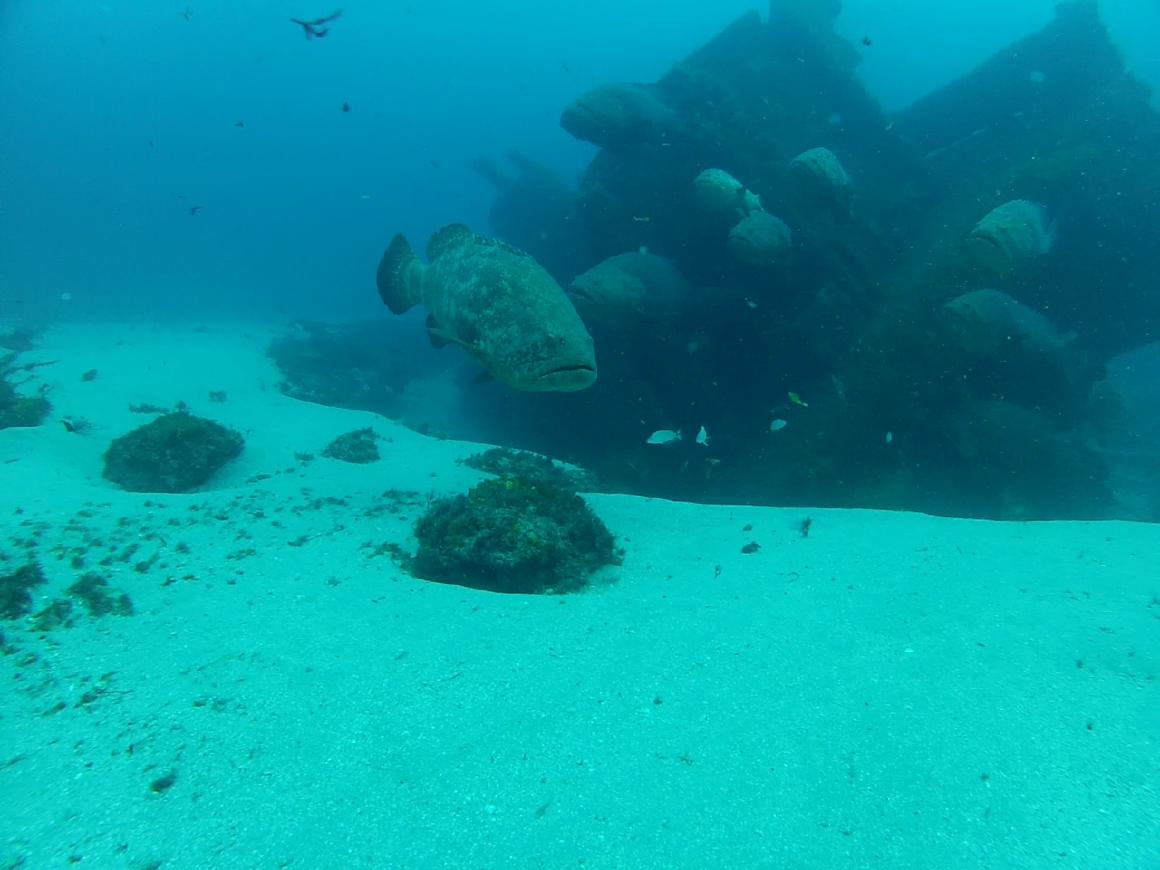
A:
938,288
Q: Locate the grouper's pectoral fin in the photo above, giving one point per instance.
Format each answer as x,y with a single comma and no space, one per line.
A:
483,376
439,337
434,334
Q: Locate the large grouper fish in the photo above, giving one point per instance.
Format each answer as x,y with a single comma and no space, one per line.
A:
497,303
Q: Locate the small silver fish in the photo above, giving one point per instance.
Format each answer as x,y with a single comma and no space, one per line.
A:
703,437
778,424
663,436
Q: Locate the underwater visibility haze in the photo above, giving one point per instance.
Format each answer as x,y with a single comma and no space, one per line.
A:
606,434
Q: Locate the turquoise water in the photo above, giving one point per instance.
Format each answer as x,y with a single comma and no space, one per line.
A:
431,86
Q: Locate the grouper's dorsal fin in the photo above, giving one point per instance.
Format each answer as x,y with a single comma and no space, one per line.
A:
503,246
451,236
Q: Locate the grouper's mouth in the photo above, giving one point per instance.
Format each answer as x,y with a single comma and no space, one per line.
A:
580,367
565,378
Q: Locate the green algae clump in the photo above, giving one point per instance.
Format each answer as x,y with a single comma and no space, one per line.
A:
358,447
513,535
16,590
175,453
17,410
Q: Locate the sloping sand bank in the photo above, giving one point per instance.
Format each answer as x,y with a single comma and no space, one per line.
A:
891,691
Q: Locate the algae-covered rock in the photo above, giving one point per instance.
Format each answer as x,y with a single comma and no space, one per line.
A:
175,453
531,467
359,447
93,590
58,613
22,411
15,590
513,535
17,410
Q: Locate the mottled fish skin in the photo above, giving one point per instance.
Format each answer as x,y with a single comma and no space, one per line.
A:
498,303
619,115
630,290
994,317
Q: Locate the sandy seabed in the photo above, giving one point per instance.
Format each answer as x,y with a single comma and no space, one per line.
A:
894,690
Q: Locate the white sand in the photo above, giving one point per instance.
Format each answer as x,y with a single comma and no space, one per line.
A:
893,691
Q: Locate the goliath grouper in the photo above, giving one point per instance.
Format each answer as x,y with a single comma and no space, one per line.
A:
498,303
619,116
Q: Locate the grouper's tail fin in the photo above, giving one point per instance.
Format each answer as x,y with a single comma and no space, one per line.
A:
399,276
